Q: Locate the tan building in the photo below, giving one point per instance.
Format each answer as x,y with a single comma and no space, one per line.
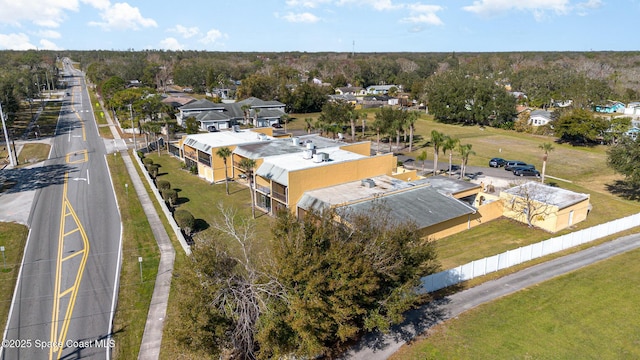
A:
547,207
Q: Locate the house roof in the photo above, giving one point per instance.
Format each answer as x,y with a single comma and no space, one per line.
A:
551,195
202,104
277,168
541,113
269,113
178,100
255,102
212,116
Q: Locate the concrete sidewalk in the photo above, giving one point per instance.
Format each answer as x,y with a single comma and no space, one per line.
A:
152,337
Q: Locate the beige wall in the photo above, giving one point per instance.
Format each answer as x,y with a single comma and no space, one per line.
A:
362,148
338,173
551,218
405,174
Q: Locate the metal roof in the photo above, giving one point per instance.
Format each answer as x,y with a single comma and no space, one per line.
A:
425,206
551,195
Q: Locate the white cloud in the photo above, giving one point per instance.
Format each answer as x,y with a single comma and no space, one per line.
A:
15,42
48,13
381,5
307,3
48,45
213,36
305,17
48,34
584,7
98,4
491,7
423,14
171,43
122,16
185,31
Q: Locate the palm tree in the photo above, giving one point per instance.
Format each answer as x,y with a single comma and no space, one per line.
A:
247,166
412,117
422,157
547,148
437,140
245,113
224,153
465,152
285,119
448,145
309,124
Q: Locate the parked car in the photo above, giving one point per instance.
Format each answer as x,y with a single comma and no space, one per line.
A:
276,125
512,164
526,171
497,162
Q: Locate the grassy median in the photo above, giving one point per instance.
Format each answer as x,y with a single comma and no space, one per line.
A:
135,293
13,238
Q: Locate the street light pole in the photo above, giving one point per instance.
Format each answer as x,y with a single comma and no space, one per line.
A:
6,138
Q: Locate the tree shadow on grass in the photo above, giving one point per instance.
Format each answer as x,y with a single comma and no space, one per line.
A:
624,189
200,225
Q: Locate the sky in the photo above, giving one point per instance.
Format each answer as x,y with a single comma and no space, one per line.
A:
321,25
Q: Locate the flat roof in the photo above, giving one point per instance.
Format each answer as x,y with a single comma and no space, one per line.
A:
295,145
207,141
448,185
551,195
350,192
277,168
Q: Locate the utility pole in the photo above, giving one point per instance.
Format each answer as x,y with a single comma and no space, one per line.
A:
6,138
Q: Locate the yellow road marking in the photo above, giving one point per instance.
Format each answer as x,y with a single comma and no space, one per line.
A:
82,153
59,333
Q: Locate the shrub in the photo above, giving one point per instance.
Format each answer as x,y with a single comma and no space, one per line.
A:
185,220
153,170
170,196
140,155
193,169
147,161
163,185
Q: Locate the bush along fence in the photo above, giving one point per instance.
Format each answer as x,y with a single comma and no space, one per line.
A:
520,255
150,168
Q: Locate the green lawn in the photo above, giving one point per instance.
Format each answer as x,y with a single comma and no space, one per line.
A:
134,296
587,314
13,237
201,198
33,153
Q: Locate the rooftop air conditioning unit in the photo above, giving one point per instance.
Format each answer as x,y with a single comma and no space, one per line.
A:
308,154
311,145
368,183
324,156
295,140
317,158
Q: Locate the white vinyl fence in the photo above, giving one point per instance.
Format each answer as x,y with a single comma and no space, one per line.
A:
517,256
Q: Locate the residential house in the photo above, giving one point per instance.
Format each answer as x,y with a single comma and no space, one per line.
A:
351,90
546,207
539,117
382,89
194,108
632,108
610,107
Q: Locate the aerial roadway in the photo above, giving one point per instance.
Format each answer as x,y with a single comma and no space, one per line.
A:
64,299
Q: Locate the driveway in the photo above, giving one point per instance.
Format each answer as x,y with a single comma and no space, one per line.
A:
381,346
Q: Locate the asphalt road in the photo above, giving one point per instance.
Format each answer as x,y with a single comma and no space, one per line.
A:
381,346
65,297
